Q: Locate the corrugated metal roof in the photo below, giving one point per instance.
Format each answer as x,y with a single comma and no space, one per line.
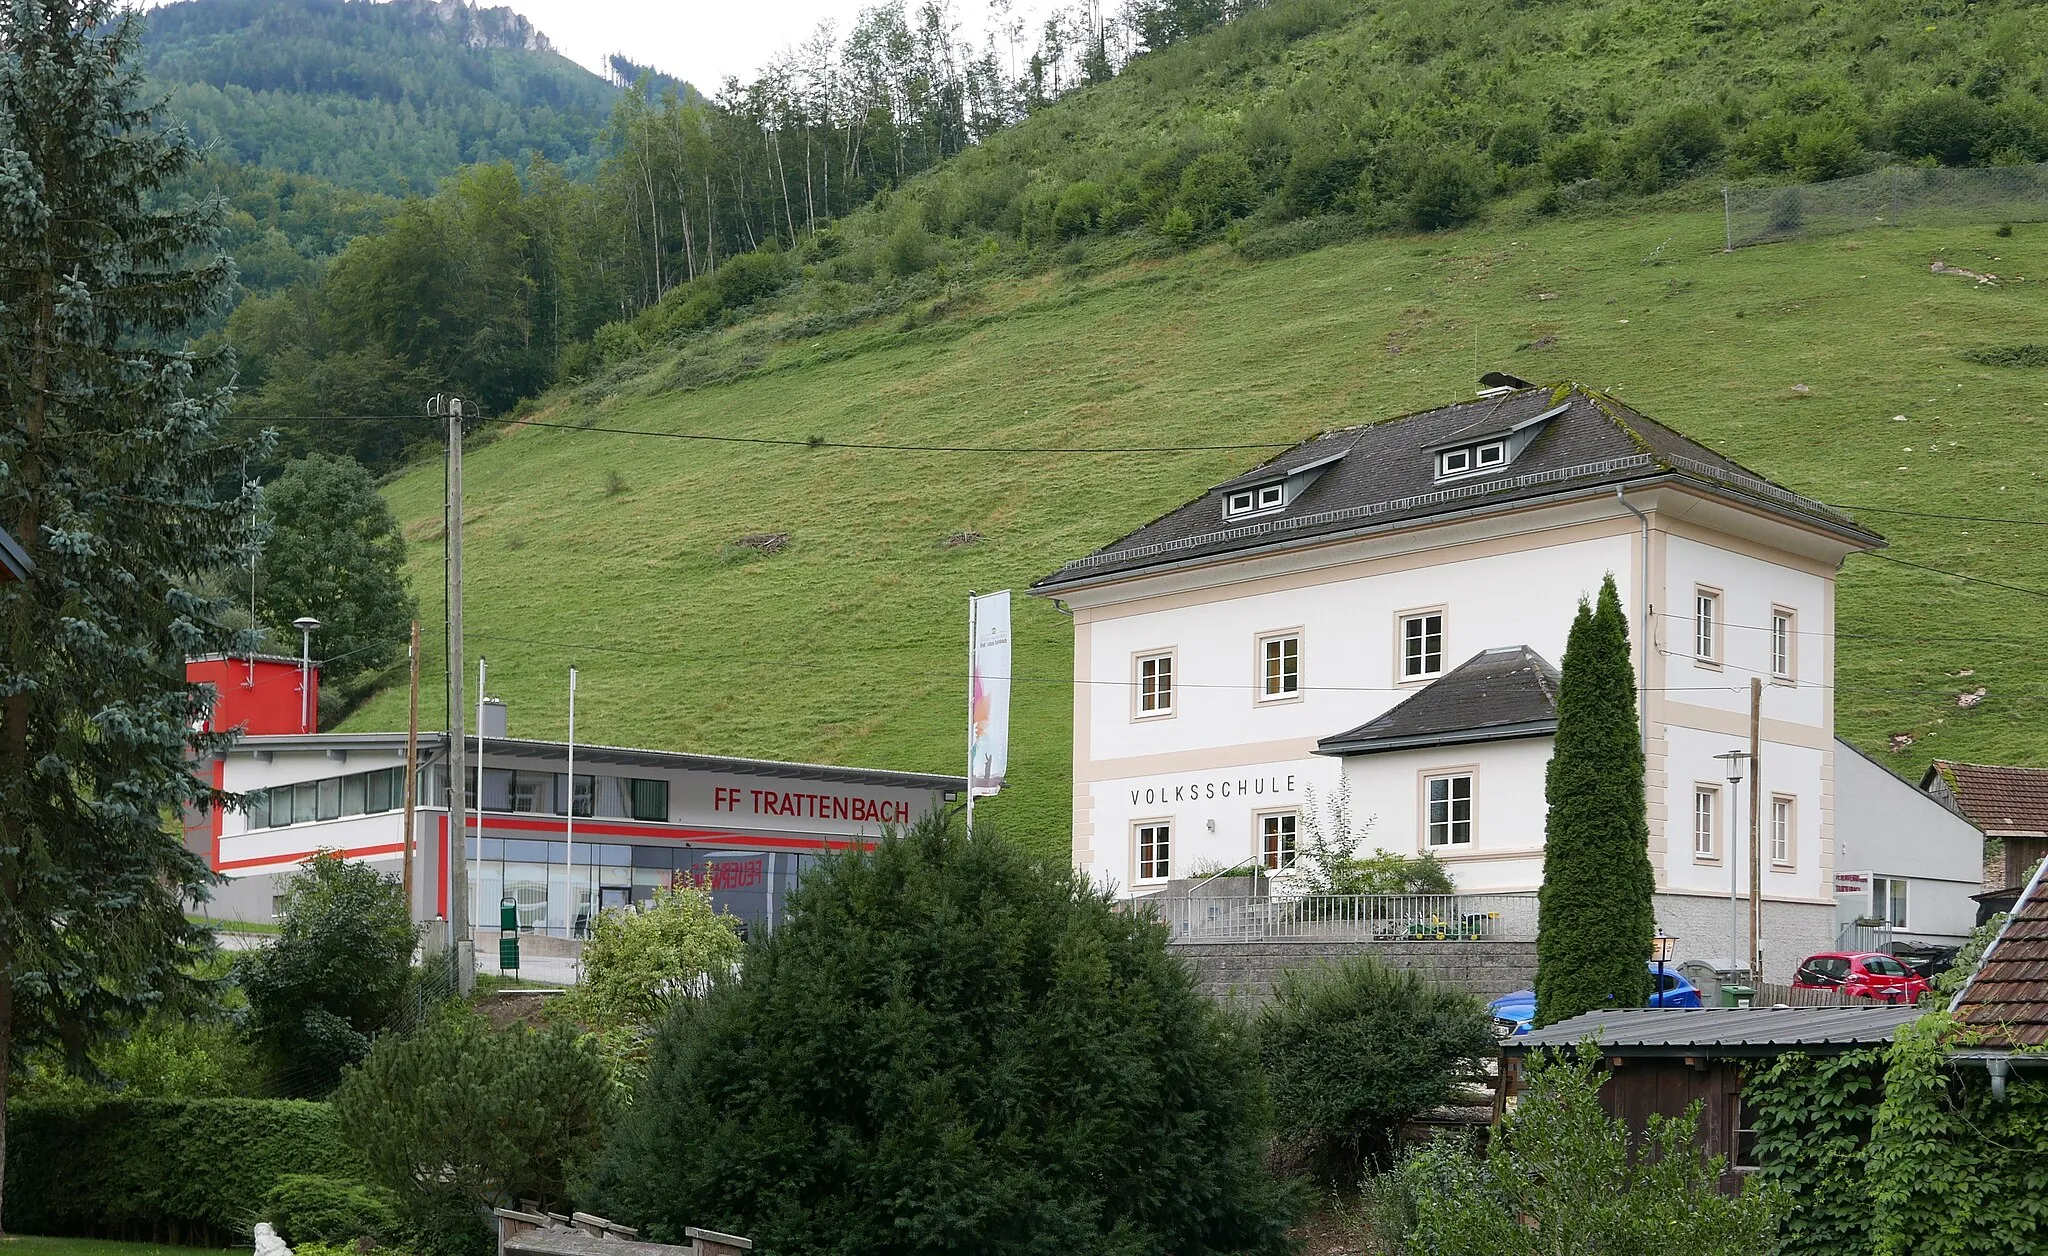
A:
1724,1030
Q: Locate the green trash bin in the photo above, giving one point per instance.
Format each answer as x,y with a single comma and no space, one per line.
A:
1737,996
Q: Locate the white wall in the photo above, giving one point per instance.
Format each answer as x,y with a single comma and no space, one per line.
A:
1885,826
1506,853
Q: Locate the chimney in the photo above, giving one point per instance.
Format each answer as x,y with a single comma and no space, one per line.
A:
494,717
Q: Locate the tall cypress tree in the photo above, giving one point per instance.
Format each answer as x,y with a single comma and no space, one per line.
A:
111,470
1596,915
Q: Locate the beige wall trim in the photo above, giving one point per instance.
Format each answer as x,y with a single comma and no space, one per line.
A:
1736,724
1206,759
1451,855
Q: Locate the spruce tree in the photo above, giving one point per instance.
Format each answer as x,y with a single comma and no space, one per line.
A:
1596,915
111,470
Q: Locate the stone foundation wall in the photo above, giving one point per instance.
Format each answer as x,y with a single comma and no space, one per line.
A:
1792,931
1247,971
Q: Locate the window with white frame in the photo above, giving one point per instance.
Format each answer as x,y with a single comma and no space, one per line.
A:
1706,625
1276,839
1783,635
1155,684
1888,900
1422,644
1466,459
1280,666
1254,501
1706,822
1781,829
1449,821
1155,850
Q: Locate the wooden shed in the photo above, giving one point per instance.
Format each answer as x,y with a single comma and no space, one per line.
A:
1660,1060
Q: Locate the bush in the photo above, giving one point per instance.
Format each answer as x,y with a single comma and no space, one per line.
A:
614,343
637,963
1322,178
1218,187
1448,189
1516,142
949,1045
1559,1176
1660,149
307,1208
1943,126
336,975
1079,210
192,1172
461,1117
909,250
1178,227
1353,1051
1576,157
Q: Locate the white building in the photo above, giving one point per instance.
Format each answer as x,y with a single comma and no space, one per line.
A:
1901,858
1221,650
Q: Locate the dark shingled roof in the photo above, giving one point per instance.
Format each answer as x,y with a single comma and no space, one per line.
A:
1493,696
1999,800
2006,1001
1723,1030
1384,473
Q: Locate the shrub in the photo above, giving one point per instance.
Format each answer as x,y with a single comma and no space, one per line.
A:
1661,148
1943,126
1575,157
1516,142
1178,227
1079,209
1352,1051
193,1172
336,975
1559,1176
1448,189
949,1045
460,1117
909,250
1321,178
1217,187
307,1208
614,343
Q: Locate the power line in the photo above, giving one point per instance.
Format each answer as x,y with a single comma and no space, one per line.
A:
1930,514
1957,575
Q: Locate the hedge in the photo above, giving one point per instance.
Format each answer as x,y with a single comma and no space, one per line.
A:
168,1171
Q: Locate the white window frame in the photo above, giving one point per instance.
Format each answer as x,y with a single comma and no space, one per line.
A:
1449,778
1707,625
1881,908
1453,462
1784,830
1159,867
1285,825
1706,805
1784,645
1423,614
1259,499
1262,680
1499,451
1141,696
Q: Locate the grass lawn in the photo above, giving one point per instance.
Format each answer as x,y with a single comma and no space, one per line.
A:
1831,366
38,1245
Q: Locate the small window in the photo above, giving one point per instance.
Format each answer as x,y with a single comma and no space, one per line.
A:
1280,666
1455,462
1706,625
1252,501
1706,822
1742,1150
1888,900
1450,810
1155,851
354,792
1490,455
1422,645
259,809
650,799
1241,504
1782,634
1781,830
330,798
533,792
1155,684
280,801
585,793
1276,840
379,788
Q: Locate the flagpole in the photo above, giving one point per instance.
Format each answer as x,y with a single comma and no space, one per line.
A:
569,829
973,610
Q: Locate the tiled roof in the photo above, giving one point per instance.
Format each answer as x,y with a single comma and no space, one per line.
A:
1492,696
1999,800
2006,1002
1724,1030
1383,473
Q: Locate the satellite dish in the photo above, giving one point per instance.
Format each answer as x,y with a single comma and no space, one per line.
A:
1500,379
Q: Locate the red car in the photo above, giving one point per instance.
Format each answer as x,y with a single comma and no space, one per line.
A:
1867,974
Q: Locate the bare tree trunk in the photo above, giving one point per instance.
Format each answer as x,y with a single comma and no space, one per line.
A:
710,228
781,180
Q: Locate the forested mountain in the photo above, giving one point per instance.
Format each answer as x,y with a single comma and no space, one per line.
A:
388,97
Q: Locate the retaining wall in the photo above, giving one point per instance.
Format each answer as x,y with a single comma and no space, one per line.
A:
1248,970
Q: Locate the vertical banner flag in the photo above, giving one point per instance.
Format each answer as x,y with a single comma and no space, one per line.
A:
988,715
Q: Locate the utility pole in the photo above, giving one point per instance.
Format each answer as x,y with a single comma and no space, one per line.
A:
1756,863
457,870
412,764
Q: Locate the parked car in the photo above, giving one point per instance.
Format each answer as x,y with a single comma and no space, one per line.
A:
1864,974
1515,1012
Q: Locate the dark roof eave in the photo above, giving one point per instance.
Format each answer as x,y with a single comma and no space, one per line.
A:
1714,1050
14,558
1425,741
1051,585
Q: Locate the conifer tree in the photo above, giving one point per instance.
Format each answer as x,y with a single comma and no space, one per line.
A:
1596,915
110,475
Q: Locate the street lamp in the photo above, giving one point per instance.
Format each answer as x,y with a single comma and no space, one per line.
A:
307,626
1660,950
1734,761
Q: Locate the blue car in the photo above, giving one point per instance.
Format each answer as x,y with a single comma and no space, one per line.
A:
1514,1012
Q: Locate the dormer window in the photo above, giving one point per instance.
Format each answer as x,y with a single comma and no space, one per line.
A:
1468,459
1255,501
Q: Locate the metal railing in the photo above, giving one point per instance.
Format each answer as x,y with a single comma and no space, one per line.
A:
1349,917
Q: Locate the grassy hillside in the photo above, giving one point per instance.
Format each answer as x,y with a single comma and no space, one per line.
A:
618,553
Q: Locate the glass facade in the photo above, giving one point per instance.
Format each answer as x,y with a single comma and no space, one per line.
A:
553,897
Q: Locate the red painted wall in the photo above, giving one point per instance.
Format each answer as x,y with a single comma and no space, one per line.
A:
262,698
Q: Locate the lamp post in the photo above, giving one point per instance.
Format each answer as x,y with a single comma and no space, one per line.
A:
1734,761
307,626
1660,950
